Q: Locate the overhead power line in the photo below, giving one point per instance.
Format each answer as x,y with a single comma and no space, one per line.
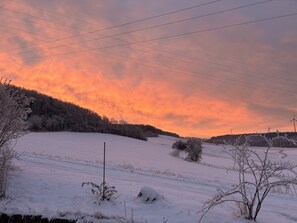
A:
213,64
33,22
168,13
166,24
189,33
33,16
178,35
202,76
50,12
157,16
142,29
9,30
120,25
163,37
217,65
163,51
167,52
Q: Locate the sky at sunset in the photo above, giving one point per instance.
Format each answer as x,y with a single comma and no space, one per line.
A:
194,67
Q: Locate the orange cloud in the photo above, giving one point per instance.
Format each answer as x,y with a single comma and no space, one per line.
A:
199,85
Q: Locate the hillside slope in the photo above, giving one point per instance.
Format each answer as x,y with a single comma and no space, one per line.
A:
47,180
50,114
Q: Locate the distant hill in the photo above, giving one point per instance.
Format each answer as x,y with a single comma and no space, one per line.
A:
255,138
151,131
50,114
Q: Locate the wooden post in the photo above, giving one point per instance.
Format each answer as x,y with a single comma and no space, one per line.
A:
104,184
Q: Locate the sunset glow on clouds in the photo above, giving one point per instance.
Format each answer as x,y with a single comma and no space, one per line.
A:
204,84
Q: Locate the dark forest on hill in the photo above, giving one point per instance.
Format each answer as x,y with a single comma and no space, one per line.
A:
50,114
278,139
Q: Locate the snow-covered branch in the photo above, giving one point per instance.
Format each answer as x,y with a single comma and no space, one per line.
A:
14,111
252,191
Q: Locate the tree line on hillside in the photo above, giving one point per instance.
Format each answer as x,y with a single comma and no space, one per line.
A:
50,114
278,139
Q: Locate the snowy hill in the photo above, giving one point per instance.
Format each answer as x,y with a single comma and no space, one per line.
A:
47,178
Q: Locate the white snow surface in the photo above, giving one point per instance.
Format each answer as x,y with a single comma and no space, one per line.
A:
46,180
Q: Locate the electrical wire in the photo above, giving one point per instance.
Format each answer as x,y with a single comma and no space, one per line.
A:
134,43
125,24
209,14
213,64
241,62
174,22
236,24
175,35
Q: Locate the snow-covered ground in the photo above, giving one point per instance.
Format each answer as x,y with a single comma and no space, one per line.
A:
47,178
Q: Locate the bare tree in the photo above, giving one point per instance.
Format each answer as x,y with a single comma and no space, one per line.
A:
14,111
257,176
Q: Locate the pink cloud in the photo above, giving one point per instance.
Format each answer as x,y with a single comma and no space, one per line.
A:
199,85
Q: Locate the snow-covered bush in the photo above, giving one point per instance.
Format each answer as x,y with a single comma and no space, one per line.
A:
192,148
14,111
257,175
179,145
176,153
148,195
102,192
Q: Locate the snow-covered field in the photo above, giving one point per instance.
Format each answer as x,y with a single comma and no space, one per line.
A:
47,178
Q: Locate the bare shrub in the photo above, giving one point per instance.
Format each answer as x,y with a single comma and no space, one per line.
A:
6,156
14,111
257,177
102,192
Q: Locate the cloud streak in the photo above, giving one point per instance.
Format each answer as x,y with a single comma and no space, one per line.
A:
202,85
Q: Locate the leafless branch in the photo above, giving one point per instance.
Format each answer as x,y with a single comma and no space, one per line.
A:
266,175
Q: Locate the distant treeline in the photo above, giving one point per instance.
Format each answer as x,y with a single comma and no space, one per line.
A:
256,139
50,114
